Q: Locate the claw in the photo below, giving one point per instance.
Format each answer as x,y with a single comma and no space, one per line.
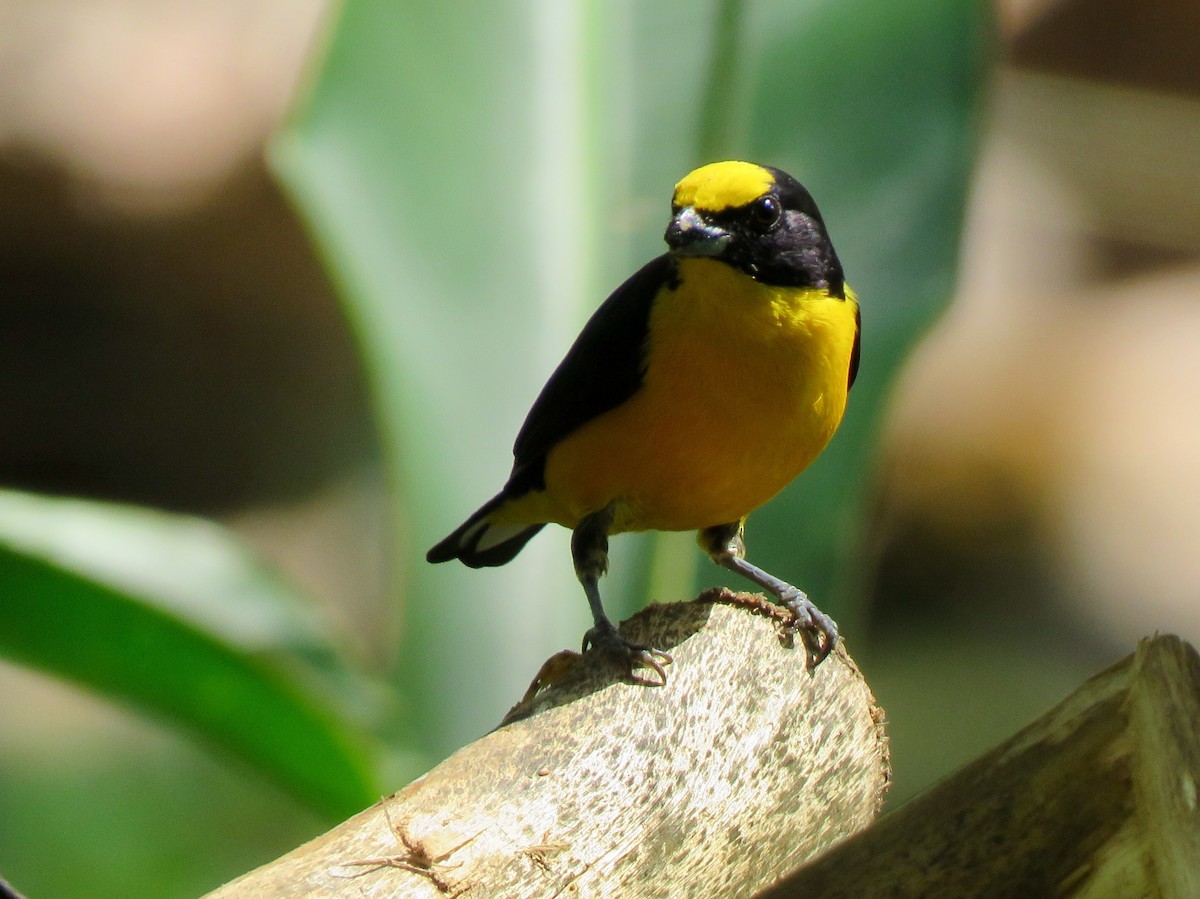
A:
606,639
817,630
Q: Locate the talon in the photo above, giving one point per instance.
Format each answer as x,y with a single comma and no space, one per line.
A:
635,655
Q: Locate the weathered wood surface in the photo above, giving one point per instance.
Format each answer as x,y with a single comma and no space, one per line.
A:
741,768
1098,799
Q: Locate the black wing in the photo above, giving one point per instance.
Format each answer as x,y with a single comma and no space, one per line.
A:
602,369
856,352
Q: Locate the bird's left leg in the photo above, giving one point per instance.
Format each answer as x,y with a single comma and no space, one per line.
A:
589,550
725,545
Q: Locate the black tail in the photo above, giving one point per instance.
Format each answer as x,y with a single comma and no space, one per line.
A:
480,544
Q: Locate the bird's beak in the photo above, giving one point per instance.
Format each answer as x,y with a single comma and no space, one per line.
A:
688,234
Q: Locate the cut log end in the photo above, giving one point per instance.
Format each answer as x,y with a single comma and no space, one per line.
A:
1096,798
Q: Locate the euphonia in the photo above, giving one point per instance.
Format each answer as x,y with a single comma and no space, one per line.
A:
698,390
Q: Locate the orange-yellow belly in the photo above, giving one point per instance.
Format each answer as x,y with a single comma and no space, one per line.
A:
744,386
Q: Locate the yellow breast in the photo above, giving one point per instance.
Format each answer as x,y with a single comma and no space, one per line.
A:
744,386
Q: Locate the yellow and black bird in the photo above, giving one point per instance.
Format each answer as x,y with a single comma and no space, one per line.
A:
696,392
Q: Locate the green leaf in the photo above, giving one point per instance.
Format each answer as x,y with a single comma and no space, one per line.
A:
436,158
171,615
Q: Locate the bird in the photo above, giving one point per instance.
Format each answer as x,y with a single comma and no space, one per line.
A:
699,389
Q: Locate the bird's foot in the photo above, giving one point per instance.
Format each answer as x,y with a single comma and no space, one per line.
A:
605,638
818,631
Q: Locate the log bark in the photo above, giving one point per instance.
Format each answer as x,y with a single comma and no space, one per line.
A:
743,766
1098,798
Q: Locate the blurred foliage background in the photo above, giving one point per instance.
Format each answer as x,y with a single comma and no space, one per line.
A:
274,384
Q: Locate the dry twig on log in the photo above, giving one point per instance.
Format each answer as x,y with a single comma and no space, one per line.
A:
741,768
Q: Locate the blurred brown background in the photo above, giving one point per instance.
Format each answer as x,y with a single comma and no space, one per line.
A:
1039,504
169,337
1049,427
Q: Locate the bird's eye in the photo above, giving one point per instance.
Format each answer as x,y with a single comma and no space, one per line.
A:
765,212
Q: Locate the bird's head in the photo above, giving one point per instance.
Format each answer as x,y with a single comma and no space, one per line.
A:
757,219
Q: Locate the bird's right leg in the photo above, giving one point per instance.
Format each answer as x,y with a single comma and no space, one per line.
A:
726,546
589,550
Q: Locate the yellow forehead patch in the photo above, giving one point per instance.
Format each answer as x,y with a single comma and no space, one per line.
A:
723,185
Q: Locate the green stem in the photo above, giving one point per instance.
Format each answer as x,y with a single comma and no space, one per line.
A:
720,125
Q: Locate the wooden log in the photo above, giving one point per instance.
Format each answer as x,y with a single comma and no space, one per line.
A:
742,767
1098,798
